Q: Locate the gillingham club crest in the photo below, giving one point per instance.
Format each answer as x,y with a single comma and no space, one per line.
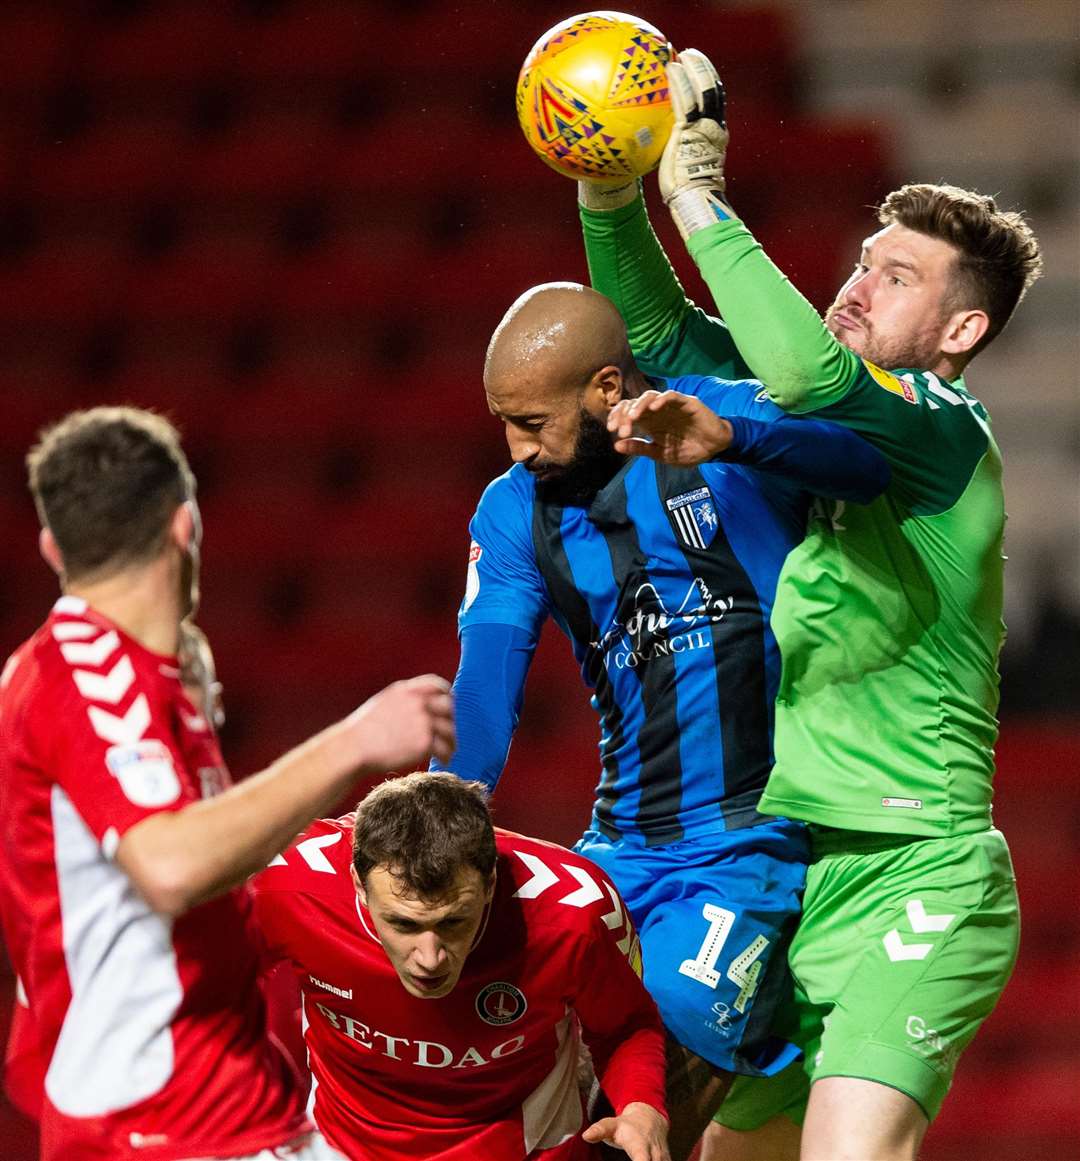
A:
694,516
500,1003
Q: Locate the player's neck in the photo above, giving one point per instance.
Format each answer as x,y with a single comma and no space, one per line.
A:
143,601
947,367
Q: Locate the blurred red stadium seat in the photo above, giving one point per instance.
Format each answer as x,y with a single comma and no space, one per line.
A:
499,262
312,42
162,44
34,45
65,280
183,390
273,155
357,276
127,161
204,277
459,153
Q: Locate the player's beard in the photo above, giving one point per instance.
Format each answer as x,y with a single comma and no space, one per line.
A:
593,465
888,352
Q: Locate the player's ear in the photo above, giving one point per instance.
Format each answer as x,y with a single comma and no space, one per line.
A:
963,330
609,384
490,892
358,884
182,527
50,551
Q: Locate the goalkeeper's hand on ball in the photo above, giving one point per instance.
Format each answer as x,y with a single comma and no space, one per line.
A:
692,167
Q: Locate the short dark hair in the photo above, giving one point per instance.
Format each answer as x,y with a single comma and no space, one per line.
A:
424,828
997,252
106,483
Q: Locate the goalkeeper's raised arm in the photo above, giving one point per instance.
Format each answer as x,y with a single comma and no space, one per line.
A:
929,290
778,331
668,333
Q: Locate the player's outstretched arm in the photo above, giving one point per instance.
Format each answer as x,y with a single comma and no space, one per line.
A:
822,458
488,692
779,333
639,1130
667,333
505,605
178,859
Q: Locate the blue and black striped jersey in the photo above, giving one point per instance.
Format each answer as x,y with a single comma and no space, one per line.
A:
664,586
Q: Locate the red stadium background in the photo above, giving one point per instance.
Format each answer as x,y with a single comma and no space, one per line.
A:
292,227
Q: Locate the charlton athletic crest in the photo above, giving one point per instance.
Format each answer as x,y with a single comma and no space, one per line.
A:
694,515
500,1003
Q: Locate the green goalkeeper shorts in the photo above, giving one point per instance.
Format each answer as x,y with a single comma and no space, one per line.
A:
904,946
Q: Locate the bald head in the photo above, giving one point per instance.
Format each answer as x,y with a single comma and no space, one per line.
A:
556,365
553,340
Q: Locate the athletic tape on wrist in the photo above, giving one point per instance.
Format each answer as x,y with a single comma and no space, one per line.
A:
698,208
605,197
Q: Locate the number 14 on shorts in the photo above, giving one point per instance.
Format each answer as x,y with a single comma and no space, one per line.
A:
743,971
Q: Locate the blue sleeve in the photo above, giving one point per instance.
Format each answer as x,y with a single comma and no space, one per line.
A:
488,690
822,457
504,585
816,456
505,605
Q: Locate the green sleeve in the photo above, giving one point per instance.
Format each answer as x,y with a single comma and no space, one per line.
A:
668,334
779,333
933,434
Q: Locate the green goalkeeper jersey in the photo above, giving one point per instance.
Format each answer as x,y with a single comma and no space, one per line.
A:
888,616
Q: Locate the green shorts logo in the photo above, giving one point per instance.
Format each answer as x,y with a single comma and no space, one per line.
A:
921,923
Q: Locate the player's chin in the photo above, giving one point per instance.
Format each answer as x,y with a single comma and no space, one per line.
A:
429,987
549,473
852,338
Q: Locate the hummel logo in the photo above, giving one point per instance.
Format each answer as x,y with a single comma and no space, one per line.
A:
344,993
921,922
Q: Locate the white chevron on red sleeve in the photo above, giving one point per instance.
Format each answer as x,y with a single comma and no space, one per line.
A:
588,892
121,731
93,653
542,876
615,916
74,631
108,687
311,851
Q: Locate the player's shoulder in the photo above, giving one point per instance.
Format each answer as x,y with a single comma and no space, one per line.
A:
20,671
78,638
58,666
557,885
948,402
514,490
317,862
504,514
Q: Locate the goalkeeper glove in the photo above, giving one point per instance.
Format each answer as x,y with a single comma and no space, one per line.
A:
692,167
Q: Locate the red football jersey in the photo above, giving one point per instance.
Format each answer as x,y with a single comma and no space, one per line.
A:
151,1031
491,1070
